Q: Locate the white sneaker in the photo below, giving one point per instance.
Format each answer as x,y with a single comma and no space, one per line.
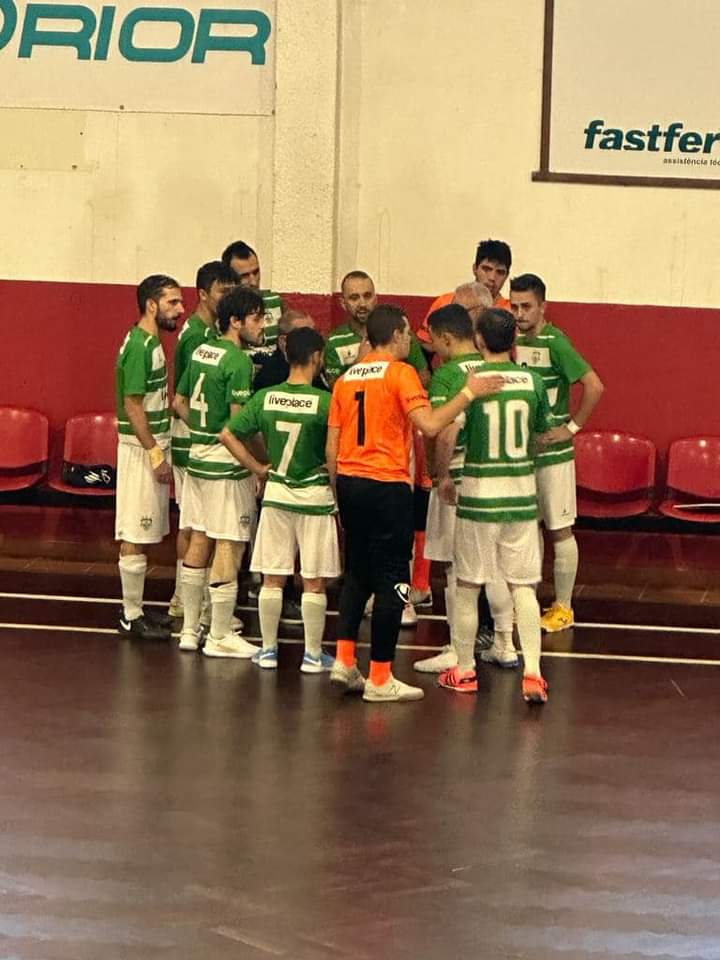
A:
175,610
189,640
230,646
445,660
409,616
394,691
349,677
500,657
321,664
421,598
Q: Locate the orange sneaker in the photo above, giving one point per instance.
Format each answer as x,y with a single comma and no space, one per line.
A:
534,689
459,681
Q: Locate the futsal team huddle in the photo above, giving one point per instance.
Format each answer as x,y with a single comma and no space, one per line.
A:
313,451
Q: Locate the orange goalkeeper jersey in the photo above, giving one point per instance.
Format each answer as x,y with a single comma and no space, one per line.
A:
370,406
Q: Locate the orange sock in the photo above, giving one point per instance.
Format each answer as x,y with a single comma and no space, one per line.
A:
379,672
421,566
345,652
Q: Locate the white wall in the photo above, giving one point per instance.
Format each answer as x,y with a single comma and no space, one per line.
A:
404,133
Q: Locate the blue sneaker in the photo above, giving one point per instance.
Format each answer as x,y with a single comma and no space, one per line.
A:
267,659
322,664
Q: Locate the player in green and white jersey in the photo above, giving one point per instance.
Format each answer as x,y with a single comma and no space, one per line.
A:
547,350
496,534
143,471
212,282
452,337
219,497
244,263
348,343
298,502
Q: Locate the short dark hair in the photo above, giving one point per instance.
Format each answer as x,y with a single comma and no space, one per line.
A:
237,249
354,275
240,303
382,323
529,282
212,271
496,250
497,328
152,288
453,319
301,344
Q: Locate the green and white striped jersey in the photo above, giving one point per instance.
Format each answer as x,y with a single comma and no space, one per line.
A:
552,355
273,311
498,477
219,374
447,381
343,345
141,371
293,420
194,332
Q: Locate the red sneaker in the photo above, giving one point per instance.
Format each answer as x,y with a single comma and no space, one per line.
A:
534,689
459,681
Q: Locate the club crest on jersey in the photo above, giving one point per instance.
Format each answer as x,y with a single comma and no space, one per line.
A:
146,522
403,591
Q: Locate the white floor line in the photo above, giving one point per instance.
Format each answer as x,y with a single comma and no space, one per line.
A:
645,627
421,648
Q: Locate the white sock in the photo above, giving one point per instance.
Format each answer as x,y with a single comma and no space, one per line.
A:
500,602
178,579
503,641
450,602
223,599
528,624
192,580
565,570
313,606
270,601
206,600
132,579
466,626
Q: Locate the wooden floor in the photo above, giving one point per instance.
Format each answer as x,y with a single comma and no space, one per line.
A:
159,804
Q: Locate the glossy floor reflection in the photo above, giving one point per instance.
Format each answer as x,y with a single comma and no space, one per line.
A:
156,804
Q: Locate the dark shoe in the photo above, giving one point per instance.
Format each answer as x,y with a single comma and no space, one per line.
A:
485,638
291,612
158,618
142,629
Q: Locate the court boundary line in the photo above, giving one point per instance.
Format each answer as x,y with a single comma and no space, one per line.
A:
290,641
644,627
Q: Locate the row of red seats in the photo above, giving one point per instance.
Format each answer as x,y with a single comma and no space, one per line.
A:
615,471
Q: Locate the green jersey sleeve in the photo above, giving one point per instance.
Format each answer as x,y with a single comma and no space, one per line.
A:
246,422
439,391
137,366
567,360
183,385
239,385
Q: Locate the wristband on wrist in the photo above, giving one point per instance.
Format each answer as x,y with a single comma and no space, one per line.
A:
156,456
467,392
573,427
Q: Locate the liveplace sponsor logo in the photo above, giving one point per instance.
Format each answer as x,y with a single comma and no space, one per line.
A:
100,33
674,142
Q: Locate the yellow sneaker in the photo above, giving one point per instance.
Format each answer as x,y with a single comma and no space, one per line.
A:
558,617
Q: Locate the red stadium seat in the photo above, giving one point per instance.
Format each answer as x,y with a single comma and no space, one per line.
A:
23,448
615,474
693,481
90,441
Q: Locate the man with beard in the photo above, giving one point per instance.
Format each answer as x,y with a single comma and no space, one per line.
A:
144,471
348,343
219,497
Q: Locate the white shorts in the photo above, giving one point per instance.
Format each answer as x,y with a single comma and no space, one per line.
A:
141,504
281,533
222,509
439,529
486,552
179,474
557,497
